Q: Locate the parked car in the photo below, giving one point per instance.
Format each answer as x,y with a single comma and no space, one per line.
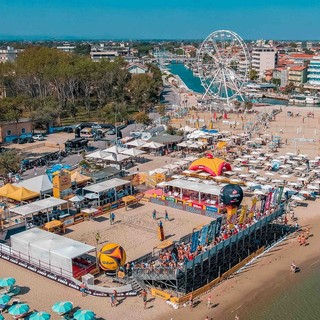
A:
22,140
38,137
30,140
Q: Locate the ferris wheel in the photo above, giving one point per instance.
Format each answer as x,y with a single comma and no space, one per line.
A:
223,62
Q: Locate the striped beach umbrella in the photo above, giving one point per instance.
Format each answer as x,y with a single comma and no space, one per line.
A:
84,315
7,282
19,309
40,316
4,299
62,307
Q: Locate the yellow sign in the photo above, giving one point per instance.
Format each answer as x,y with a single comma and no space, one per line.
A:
231,216
160,294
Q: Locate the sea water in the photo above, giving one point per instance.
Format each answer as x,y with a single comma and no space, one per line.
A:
296,301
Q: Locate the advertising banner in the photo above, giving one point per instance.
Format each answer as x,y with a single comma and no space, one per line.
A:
218,226
212,231
204,234
280,194
194,241
275,197
268,201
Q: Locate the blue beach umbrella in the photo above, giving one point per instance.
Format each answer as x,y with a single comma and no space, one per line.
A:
62,307
19,309
1,317
84,315
4,299
7,282
40,316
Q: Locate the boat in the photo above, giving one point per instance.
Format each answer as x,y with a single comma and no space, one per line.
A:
303,99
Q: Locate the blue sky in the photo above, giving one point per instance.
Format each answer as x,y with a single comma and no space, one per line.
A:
159,19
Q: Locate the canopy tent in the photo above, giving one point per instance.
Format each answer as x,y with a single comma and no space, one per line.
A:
136,143
100,154
114,149
153,145
214,166
106,186
23,194
41,205
6,189
79,178
40,184
116,157
48,249
194,186
133,152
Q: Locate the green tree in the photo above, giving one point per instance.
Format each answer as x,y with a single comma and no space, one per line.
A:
142,117
161,110
9,163
82,49
253,74
289,88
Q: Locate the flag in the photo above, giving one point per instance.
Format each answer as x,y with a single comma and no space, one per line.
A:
204,234
280,194
231,216
253,207
215,116
268,201
218,227
263,204
212,231
275,197
243,213
194,241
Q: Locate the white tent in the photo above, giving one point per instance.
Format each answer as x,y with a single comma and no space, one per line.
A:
100,154
133,152
153,145
41,205
136,143
106,185
41,184
49,250
117,157
114,149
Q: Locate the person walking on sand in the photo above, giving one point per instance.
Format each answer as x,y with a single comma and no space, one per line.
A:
209,302
144,298
83,289
154,214
112,302
191,301
98,237
115,294
166,215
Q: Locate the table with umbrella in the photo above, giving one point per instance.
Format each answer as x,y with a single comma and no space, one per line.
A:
40,316
19,310
84,315
62,307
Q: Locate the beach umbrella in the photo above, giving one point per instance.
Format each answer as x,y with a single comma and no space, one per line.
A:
4,299
269,174
312,187
133,152
62,307
84,315
276,181
18,309
40,316
1,317
7,282
285,176
237,169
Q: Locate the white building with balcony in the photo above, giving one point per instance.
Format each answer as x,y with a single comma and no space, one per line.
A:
314,71
263,58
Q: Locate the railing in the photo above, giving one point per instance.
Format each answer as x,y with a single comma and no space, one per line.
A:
157,273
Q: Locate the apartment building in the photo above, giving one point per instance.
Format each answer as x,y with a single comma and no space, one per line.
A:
263,58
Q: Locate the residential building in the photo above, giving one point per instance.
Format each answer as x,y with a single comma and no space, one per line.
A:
309,45
66,48
98,55
137,68
314,71
281,74
297,75
14,129
8,55
263,58
301,58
